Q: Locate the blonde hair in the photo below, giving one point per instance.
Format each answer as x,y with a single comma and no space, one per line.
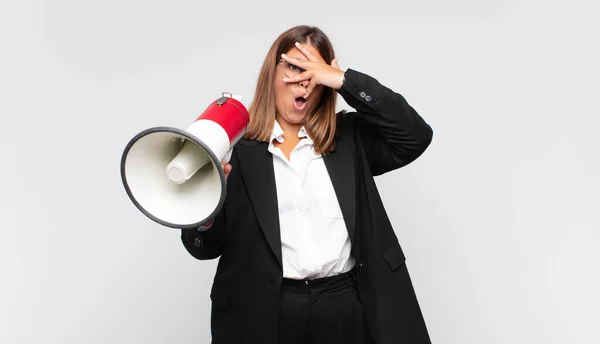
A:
321,123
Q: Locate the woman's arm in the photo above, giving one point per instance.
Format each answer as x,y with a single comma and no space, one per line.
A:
391,131
206,244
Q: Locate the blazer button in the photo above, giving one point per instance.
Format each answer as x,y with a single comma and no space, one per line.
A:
363,94
368,98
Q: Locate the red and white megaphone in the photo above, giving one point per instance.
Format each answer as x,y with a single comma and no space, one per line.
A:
174,176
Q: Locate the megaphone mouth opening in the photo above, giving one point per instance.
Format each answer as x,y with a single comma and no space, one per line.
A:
143,167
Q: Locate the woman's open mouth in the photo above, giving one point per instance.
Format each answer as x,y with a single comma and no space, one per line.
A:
300,103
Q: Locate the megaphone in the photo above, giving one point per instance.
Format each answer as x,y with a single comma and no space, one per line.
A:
174,176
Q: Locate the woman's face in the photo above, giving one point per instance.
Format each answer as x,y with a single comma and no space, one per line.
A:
291,107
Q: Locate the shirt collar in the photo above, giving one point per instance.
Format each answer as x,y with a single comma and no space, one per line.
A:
277,133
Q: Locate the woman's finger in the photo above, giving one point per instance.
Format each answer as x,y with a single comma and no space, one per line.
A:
306,52
300,77
334,64
226,169
296,62
310,88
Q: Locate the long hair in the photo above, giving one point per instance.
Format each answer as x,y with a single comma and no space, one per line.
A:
320,123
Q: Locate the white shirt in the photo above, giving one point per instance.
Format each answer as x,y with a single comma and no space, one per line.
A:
314,238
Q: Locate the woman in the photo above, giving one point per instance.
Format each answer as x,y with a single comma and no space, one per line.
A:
307,253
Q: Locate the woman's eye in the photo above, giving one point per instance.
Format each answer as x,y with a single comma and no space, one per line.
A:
295,68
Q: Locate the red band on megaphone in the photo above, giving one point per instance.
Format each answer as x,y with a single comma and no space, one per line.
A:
232,116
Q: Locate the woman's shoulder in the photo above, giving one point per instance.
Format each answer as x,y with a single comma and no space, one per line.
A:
344,121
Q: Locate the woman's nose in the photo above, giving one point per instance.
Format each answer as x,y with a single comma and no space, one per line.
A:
304,83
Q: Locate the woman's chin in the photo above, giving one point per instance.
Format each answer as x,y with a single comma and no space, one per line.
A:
294,117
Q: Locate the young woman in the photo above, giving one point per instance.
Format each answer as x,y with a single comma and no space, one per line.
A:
307,253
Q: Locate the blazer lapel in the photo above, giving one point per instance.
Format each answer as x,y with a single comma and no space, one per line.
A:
340,165
256,164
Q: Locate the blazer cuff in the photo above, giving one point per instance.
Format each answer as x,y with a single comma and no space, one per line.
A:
358,90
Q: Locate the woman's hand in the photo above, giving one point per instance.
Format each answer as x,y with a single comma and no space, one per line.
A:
226,169
316,70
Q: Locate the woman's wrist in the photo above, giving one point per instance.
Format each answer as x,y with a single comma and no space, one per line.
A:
342,80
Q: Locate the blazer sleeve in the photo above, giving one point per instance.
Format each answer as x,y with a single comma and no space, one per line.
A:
207,244
392,132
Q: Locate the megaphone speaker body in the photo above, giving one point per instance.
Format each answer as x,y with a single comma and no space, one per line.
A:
175,176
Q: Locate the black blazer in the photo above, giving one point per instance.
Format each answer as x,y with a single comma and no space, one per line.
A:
384,134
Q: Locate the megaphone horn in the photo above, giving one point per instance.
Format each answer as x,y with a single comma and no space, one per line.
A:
174,176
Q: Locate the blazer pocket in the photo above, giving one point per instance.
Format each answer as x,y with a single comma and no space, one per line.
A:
394,256
219,296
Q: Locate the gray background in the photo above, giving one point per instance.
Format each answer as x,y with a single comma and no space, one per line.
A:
499,218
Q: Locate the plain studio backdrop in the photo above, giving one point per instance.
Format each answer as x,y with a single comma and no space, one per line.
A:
499,219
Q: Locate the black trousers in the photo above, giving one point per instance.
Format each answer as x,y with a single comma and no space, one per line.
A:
322,311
